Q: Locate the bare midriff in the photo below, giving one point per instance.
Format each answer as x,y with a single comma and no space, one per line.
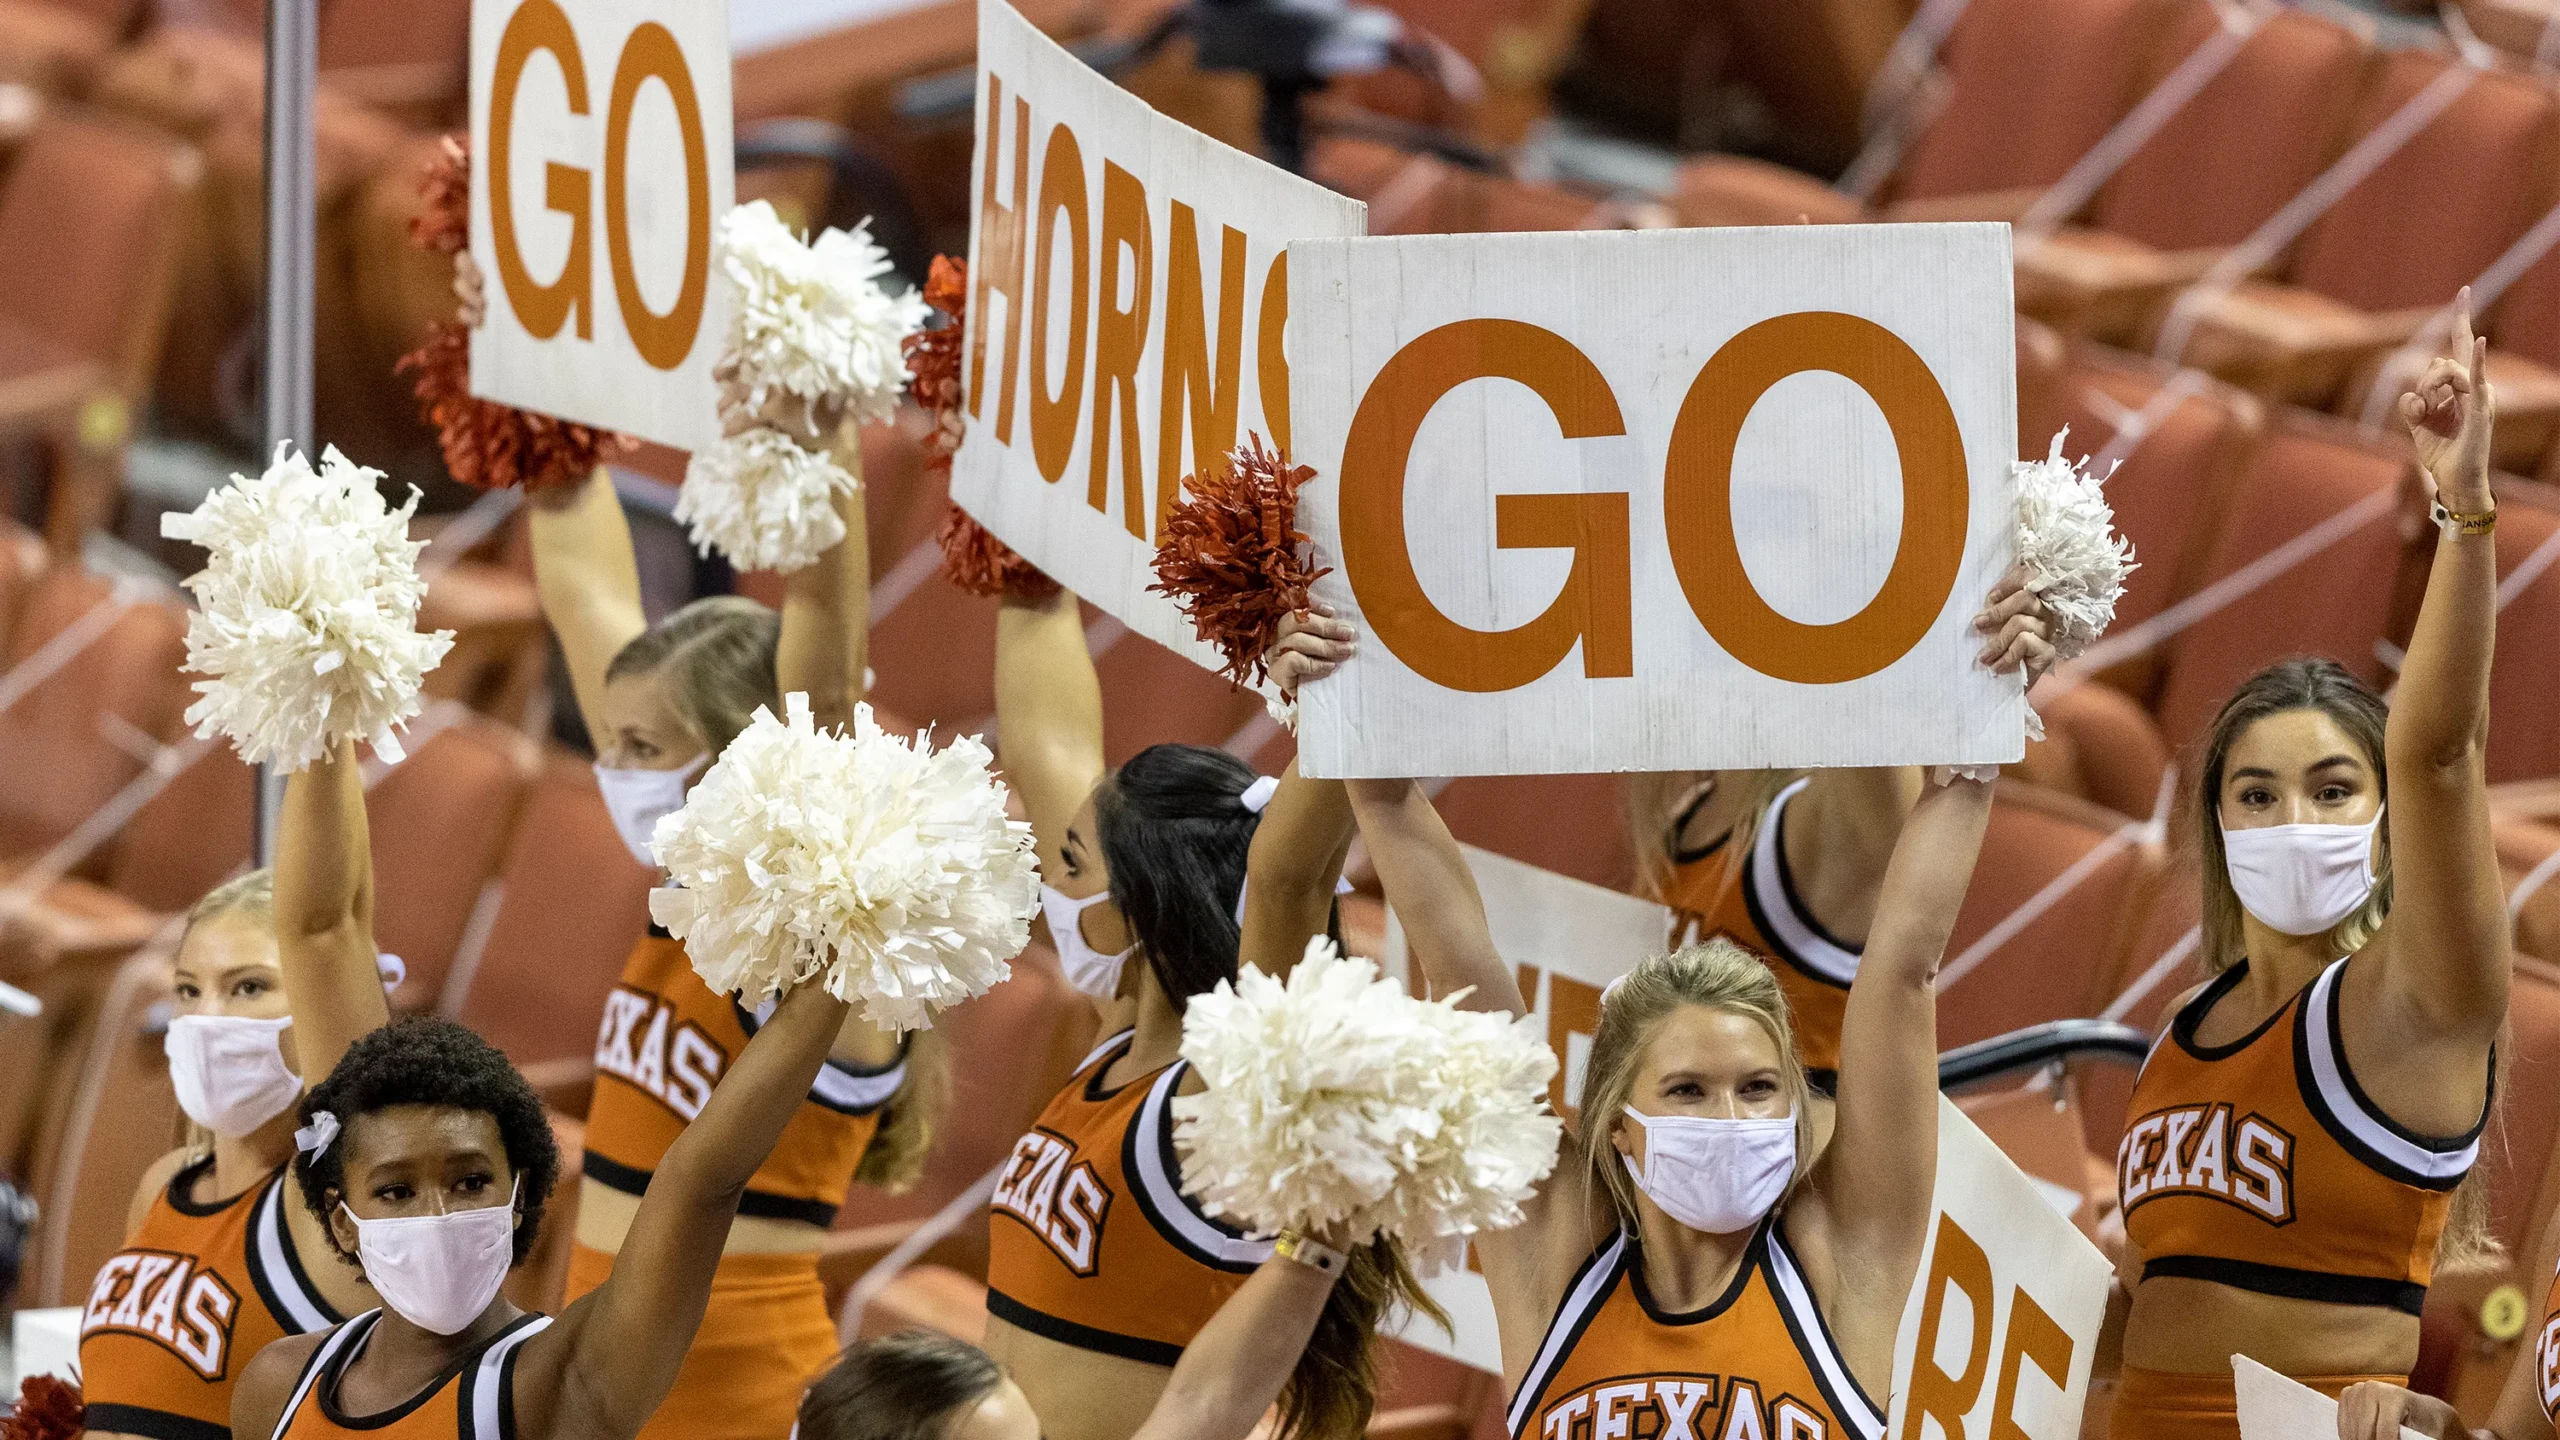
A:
1078,1394
2181,1326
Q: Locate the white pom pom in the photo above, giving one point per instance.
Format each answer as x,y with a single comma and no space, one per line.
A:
2066,539
888,868
1335,1099
307,612
763,501
812,320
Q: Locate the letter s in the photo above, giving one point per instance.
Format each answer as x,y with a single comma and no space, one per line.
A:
1595,607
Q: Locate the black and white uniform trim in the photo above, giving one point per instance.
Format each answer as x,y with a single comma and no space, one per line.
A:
485,1408
275,1267
1769,890
2349,1115
1154,1174
845,1089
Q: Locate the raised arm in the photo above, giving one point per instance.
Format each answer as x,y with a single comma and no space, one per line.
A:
1878,1176
1434,895
324,913
1840,835
2446,981
614,1354
1048,716
1235,1368
587,580
1297,855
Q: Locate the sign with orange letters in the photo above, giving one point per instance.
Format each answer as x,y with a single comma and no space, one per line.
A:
1128,282
602,161
1659,500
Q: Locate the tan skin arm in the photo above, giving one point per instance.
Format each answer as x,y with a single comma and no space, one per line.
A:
1872,1190
324,913
2443,984
1235,1368
587,580
605,1365
1297,855
1048,716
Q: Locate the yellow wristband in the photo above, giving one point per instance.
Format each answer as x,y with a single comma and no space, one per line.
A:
1290,1245
2456,523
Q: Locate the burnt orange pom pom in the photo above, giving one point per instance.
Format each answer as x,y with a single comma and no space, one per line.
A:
1231,555
979,563
486,445
49,1408
933,356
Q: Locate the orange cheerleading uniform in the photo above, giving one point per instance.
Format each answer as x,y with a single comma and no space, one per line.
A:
665,1040
473,1400
177,1314
1094,1244
2264,1166
1759,1362
1759,911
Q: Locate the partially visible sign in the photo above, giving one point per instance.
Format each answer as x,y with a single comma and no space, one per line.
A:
1658,500
1568,940
2274,1406
1998,1334
1128,285
601,164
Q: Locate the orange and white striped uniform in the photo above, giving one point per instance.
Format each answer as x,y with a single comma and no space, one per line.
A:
473,1401
1094,1244
1758,909
2261,1164
2546,1354
175,1316
665,1039
1759,1362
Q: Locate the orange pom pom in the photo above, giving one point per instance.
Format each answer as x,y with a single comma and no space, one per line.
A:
976,561
445,225
492,446
49,1408
933,357
1231,555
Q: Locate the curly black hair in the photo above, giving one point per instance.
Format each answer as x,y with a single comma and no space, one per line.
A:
423,1060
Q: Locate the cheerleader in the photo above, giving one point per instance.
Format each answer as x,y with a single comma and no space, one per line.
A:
429,1159
2527,1409
274,977
1101,1271
2294,1172
1699,1264
660,703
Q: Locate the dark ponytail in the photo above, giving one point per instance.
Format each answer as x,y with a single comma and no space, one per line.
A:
1175,835
1334,1389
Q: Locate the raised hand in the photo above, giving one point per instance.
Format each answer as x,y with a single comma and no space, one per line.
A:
2018,627
1312,645
2449,412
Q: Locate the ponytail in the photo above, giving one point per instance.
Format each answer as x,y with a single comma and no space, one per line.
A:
1334,1390
894,1160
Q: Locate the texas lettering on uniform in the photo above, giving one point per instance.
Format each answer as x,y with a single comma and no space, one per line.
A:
164,1298
1048,1189
2205,1150
642,1041
1680,1407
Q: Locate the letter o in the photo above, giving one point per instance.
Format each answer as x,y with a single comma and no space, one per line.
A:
1697,498
663,340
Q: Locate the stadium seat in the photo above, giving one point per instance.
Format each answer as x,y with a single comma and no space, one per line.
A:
496,664
2524,365
22,562
2362,278
441,821
2195,188
1810,61
2529,856
1416,194
1162,697
101,201
2522,28
2049,965
94,718
115,1115
57,45
1571,824
2100,745
2334,601
2005,132
573,903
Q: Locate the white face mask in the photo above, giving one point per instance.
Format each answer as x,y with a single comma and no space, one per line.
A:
229,1071
639,799
439,1271
1089,970
1716,1176
2301,879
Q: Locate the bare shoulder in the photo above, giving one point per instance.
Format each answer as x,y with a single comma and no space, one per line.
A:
257,1402
155,1181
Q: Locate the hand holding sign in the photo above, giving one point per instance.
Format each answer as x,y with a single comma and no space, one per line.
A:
2276,1407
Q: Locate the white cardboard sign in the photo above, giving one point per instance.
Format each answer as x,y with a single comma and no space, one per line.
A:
602,161
1128,284
1658,500
2275,1406
1567,939
2000,1330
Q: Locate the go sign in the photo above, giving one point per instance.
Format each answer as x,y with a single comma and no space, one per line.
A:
601,139
1699,499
